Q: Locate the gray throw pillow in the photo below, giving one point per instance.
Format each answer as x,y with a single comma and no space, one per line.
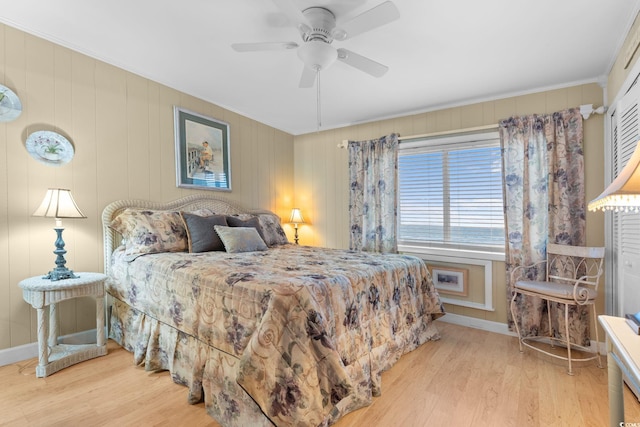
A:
234,221
200,232
240,239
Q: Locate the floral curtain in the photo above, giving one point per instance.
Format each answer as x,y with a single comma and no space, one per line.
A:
543,169
373,171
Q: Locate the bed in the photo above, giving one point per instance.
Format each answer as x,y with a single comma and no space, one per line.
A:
276,334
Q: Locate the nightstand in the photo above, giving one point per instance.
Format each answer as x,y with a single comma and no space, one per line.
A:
43,294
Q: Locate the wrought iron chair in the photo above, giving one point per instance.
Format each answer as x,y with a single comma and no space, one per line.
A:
572,276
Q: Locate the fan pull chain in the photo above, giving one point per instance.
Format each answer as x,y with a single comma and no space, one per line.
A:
318,105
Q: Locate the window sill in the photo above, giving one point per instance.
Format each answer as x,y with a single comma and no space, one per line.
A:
455,253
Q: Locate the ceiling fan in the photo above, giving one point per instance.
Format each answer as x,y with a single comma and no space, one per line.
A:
317,26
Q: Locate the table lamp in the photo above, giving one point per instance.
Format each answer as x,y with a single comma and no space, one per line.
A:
622,195
295,219
58,203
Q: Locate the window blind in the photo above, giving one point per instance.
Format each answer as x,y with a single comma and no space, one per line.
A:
450,193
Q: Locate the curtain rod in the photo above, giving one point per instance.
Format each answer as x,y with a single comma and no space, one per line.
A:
586,110
345,142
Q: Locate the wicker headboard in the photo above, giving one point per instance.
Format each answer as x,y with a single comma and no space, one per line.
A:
190,203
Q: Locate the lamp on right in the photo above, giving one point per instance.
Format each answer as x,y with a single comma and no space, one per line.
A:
623,194
295,219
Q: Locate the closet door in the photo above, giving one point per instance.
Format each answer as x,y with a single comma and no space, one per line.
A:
626,226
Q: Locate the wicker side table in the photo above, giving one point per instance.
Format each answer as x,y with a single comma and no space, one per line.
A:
43,294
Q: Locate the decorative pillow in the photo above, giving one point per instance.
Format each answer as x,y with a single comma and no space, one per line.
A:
148,231
246,221
201,235
272,232
240,239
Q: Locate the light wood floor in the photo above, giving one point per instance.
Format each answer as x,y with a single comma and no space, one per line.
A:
468,378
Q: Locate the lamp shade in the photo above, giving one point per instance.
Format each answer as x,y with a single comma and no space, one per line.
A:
623,194
59,203
296,216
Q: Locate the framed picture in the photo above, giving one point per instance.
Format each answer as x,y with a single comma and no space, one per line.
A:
449,280
202,151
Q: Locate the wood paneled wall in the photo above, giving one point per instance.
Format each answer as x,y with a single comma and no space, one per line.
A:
322,181
122,128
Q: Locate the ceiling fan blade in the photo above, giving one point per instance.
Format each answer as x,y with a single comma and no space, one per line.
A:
294,14
308,77
380,15
256,47
362,63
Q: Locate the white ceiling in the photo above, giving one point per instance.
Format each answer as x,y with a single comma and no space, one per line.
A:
440,52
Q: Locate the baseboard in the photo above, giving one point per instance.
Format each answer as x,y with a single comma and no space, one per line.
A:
29,351
472,322
497,327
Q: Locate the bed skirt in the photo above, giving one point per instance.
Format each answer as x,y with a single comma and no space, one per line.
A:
210,374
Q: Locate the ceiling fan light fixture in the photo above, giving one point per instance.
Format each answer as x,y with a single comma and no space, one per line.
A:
317,54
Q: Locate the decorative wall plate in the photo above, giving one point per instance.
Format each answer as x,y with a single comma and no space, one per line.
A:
49,148
10,106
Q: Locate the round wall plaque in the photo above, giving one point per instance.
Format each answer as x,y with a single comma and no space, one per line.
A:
50,148
10,106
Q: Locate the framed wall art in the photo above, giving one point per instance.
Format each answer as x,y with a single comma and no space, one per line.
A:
203,158
450,280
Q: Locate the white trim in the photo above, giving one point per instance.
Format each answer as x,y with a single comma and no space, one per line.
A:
17,354
450,252
472,322
617,51
470,140
468,304
477,130
610,289
498,328
466,102
29,351
488,279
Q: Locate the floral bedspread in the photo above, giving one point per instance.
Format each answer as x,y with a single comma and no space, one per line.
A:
312,328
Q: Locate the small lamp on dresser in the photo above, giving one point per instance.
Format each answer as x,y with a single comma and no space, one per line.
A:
295,219
623,195
58,203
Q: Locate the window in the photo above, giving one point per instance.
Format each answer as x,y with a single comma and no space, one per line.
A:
450,193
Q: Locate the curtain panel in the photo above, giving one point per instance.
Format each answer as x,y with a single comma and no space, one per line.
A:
373,172
544,201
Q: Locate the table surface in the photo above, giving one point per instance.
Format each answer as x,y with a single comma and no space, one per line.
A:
625,340
39,283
